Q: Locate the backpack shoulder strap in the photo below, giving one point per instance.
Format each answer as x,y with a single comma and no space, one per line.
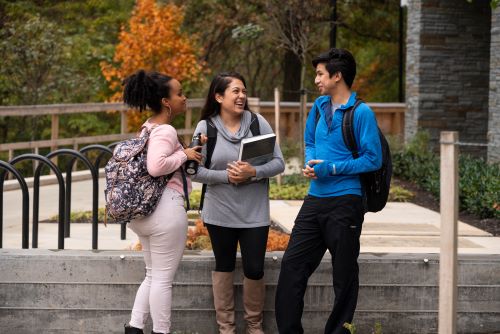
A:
348,129
212,140
254,125
318,115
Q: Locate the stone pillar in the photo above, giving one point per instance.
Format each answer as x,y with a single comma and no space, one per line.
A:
494,112
447,71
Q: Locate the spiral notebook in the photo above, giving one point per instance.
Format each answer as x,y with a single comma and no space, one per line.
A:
257,150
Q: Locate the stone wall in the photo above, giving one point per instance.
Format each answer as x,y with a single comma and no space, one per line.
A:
448,47
494,112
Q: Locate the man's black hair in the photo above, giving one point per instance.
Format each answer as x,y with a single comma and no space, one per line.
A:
338,60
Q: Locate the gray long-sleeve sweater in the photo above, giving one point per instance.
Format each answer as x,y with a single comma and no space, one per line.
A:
241,206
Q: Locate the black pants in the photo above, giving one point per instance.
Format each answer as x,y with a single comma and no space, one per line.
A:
252,241
332,223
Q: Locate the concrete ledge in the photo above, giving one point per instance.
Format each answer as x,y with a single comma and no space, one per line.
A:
92,291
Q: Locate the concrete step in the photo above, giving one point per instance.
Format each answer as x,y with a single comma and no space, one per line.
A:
318,297
202,321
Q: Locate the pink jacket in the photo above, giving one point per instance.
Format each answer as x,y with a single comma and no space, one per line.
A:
166,155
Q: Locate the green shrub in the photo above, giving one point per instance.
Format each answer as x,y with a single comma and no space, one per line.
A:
294,187
399,194
479,182
194,199
479,187
288,191
416,162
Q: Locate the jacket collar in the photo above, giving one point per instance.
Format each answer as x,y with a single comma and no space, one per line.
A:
326,102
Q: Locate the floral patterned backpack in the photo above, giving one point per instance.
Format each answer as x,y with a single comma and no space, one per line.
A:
130,191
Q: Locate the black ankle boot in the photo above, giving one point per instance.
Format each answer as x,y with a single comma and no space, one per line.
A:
132,330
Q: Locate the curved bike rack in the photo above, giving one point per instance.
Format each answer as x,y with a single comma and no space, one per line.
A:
95,191
25,215
36,191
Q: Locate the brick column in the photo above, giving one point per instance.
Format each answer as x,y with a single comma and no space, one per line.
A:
447,71
494,112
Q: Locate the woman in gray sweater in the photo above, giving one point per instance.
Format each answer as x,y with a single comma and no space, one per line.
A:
236,206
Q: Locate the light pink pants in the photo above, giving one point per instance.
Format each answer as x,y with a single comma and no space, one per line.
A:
163,238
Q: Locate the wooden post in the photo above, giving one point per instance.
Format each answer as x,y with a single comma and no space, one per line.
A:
35,162
54,135
75,147
9,175
277,123
449,212
123,121
187,125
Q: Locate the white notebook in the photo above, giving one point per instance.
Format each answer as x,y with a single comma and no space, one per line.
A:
257,150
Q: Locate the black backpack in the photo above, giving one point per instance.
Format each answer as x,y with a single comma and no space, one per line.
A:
212,140
375,184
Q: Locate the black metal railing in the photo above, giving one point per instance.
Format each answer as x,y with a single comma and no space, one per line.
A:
25,211
65,189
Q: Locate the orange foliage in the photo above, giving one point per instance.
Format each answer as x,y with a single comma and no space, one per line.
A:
277,241
153,40
194,233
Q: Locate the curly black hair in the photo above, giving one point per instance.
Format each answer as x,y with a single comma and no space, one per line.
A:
146,89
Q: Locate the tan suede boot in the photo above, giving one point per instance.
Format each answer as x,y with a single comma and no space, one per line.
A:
254,293
223,289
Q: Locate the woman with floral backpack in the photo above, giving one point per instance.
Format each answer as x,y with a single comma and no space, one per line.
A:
163,233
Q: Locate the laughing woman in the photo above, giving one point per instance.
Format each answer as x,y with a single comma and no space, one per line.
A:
236,207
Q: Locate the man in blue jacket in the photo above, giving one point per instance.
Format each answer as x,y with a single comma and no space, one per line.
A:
332,214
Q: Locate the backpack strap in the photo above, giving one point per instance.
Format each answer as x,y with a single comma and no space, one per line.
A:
254,125
185,188
318,115
348,129
212,140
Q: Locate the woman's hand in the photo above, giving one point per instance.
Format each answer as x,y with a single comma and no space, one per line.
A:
240,171
203,138
193,153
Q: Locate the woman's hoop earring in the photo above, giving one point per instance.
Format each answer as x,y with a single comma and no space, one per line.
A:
169,111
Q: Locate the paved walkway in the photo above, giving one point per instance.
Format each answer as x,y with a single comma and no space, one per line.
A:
399,228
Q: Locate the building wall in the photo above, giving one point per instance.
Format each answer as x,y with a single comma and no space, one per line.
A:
494,110
448,49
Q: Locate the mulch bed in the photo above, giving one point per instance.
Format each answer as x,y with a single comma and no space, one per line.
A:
427,200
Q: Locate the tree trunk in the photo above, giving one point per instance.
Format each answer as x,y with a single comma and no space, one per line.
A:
291,76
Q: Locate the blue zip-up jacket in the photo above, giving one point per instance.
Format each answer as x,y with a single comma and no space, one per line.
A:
326,143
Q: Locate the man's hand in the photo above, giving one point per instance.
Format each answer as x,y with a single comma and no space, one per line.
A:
308,170
322,168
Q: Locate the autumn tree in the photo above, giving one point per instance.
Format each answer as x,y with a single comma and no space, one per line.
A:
153,40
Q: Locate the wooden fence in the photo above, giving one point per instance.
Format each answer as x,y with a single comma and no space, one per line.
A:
389,115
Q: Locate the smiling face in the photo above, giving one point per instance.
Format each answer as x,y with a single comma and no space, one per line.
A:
177,99
234,98
325,84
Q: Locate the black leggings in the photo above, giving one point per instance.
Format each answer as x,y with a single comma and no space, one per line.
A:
252,241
